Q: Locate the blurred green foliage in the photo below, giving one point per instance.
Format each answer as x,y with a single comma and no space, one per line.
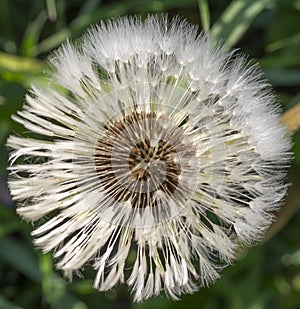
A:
267,276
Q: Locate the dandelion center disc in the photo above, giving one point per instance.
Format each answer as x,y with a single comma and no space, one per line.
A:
143,161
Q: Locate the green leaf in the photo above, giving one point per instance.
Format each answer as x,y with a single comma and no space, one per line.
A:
236,20
4,130
83,286
20,258
20,64
6,25
280,61
55,288
157,303
8,227
283,77
6,304
20,69
12,95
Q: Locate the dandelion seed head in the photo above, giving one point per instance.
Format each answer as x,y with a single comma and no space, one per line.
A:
149,140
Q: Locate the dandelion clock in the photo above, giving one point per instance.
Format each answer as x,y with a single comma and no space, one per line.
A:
152,156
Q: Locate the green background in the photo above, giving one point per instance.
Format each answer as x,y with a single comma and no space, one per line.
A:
267,276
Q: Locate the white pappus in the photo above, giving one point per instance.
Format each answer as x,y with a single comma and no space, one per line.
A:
152,156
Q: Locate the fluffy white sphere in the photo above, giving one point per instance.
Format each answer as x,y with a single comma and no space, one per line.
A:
149,140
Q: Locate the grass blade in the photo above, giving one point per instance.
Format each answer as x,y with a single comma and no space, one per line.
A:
5,303
293,40
204,13
32,34
89,6
20,258
283,77
235,20
78,25
51,8
20,64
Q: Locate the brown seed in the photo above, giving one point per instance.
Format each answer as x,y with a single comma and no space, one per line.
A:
144,168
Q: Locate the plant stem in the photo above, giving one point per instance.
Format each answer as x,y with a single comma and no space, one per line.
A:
291,119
